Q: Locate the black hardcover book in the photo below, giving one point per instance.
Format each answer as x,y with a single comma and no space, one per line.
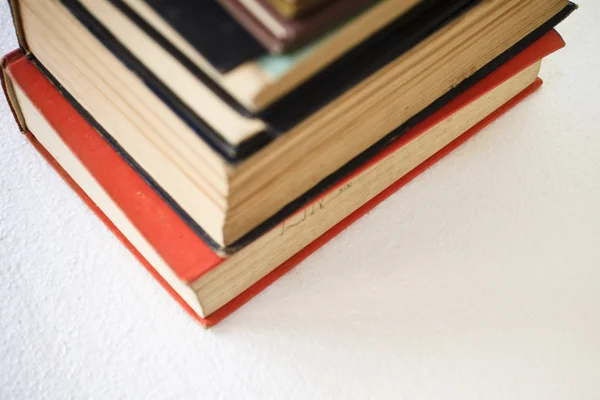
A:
210,30
349,70
347,168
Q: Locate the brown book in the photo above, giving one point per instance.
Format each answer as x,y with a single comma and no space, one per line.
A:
297,8
279,34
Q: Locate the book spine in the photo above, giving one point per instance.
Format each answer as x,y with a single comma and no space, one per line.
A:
17,23
8,88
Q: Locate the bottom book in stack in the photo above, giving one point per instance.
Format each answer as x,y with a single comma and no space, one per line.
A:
208,285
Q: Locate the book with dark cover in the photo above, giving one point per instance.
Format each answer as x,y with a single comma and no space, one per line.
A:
209,29
321,88
224,50
381,48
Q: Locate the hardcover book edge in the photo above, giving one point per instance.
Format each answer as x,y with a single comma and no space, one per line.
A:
283,268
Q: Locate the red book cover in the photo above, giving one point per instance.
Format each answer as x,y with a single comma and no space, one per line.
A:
187,255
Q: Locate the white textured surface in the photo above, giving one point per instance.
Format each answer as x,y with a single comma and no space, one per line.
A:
481,279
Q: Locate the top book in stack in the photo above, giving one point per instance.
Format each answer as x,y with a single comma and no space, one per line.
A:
230,133
280,34
296,8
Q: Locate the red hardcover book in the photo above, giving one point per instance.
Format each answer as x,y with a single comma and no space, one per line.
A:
188,258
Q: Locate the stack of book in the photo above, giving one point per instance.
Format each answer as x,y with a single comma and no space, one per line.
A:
224,141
